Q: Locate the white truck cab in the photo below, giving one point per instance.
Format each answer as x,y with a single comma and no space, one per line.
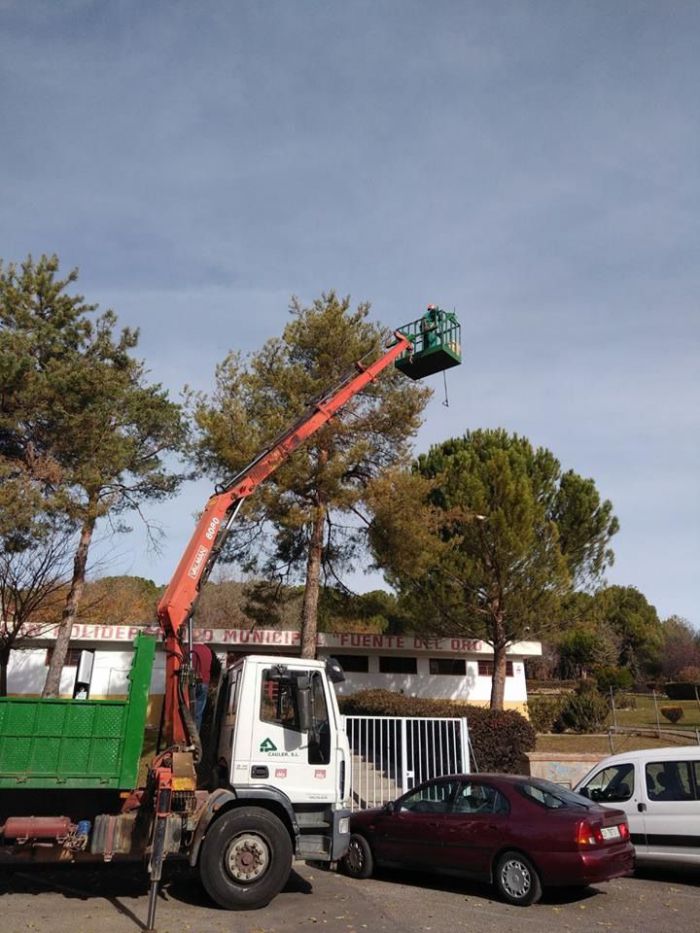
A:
281,738
659,790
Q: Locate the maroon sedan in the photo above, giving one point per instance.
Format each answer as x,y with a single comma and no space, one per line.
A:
519,833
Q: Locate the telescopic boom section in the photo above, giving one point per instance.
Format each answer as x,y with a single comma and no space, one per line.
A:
177,603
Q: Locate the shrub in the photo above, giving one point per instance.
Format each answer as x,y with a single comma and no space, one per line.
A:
613,678
499,738
681,691
544,711
584,711
672,713
689,675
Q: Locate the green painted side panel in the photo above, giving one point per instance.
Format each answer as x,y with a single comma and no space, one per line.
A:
50,743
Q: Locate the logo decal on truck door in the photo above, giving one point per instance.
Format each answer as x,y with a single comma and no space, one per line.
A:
267,745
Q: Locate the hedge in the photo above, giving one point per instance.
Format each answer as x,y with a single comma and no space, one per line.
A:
681,691
499,738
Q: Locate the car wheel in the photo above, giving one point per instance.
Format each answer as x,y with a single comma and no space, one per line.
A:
517,880
246,858
358,861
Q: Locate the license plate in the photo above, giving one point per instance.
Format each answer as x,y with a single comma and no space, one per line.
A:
610,832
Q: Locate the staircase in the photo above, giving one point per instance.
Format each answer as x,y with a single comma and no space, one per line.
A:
370,787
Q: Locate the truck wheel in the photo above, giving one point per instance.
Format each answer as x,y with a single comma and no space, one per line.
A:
517,880
246,859
358,861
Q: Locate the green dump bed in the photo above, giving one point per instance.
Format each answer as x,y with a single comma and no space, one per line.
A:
56,743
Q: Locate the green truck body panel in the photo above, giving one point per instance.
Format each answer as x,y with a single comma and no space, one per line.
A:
58,743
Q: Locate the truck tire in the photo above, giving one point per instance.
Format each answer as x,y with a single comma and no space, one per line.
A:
246,858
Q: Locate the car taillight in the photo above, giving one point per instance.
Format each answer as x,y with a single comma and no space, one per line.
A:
588,835
593,834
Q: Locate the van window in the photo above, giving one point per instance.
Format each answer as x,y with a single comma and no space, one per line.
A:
613,784
670,780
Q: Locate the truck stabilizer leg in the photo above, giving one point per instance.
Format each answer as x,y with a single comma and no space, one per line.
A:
163,800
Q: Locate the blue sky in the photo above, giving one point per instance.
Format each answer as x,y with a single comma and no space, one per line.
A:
532,164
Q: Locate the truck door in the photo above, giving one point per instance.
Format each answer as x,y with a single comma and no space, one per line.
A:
227,734
301,764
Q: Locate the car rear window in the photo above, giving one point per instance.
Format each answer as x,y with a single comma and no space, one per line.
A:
552,796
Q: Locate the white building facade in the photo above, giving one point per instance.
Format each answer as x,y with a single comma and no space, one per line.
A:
451,668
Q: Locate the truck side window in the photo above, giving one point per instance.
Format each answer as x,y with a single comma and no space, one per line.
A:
278,703
231,703
320,743
613,784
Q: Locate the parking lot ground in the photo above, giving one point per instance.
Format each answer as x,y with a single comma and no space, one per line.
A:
113,899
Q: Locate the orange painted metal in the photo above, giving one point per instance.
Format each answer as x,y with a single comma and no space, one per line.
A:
177,603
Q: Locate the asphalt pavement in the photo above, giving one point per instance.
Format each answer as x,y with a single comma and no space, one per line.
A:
113,899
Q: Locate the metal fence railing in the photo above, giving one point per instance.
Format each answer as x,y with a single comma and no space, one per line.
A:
390,755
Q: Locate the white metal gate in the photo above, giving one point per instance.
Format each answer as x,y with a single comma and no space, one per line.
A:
390,755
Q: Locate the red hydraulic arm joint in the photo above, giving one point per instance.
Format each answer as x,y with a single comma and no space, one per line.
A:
177,603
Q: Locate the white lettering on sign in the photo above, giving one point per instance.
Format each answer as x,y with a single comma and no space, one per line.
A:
211,530
194,570
280,772
320,774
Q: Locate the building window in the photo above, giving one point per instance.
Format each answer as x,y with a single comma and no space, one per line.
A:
457,667
354,663
72,657
486,668
391,664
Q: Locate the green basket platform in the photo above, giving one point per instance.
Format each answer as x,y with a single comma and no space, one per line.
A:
436,339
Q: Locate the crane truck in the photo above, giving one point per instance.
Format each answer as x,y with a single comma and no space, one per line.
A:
278,788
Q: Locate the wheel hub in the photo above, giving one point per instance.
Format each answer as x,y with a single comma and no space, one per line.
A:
355,857
516,878
248,858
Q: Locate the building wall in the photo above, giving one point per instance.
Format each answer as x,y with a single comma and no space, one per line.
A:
27,669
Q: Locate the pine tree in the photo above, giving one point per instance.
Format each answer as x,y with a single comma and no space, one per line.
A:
82,433
307,512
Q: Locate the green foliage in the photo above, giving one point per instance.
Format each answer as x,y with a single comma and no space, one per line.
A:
584,711
343,611
79,425
544,711
297,514
613,678
500,738
499,535
636,625
83,435
673,713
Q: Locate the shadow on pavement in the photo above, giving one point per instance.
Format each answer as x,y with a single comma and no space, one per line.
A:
186,888
457,885
81,883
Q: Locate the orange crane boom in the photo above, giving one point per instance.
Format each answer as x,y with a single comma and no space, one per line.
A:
177,604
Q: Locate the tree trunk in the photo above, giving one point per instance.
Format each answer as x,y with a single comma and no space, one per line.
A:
4,662
500,643
309,610
70,611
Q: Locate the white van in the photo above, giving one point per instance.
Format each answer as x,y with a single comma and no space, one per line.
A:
659,790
